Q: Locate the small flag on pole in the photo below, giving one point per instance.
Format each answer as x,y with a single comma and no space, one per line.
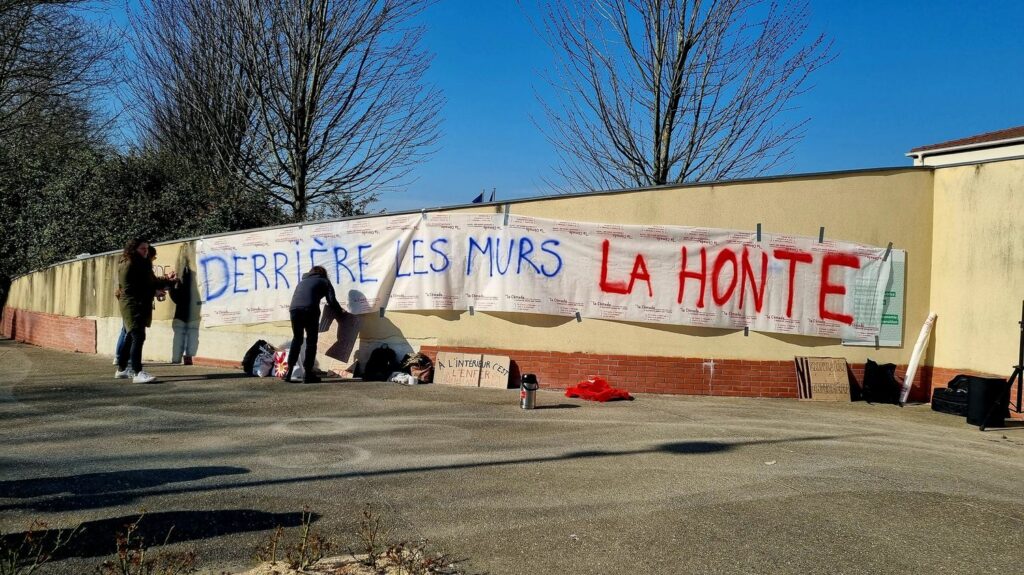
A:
493,192
479,199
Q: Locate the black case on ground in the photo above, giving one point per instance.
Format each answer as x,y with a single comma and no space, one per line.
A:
950,401
982,400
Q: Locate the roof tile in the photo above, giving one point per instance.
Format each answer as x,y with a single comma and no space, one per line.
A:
1006,134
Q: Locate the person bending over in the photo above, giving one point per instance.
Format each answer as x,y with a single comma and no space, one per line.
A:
305,317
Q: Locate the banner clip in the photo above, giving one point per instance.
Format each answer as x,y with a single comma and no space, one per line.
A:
505,209
471,311
888,250
821,235
381,312
759,232
579,319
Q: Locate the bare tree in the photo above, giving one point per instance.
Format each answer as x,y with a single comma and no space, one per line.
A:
342,110
48,53
653,92
192,97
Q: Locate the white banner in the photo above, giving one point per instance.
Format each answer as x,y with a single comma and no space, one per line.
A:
657,274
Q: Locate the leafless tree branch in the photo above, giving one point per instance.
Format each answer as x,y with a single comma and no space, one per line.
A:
341,107
653,92
49,52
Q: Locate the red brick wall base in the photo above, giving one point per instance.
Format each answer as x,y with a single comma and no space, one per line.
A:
214,362
681,375
49,330
637,374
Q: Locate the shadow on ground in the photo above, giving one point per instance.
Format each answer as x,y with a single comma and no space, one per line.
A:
674,448
98,538
92,490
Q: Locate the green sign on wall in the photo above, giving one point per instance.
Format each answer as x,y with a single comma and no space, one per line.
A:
891,332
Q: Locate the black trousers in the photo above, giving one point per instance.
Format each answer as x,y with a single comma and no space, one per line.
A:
131,349
305,322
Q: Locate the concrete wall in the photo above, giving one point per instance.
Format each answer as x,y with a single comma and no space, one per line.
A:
872,207
978,276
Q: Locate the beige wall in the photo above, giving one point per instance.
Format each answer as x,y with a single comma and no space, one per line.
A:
978,276
85,287
874,207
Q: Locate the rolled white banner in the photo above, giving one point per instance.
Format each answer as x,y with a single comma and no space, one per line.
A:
915,358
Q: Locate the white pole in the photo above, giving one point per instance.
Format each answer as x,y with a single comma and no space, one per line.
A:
915,358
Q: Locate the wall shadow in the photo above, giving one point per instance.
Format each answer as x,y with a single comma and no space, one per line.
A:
687,330
684,448
185,326
444,314
527,319
95,490
346,332
90,483
205,376
98,538
802,340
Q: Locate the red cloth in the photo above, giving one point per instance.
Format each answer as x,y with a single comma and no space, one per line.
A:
597,389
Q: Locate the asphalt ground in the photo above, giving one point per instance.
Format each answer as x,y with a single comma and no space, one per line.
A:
662,484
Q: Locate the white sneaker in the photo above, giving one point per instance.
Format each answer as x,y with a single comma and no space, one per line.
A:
115,360
126,374
143,377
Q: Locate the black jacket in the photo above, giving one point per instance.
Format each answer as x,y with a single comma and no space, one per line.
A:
311,290
138,288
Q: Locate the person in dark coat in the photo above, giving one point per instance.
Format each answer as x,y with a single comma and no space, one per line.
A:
138,286
305,318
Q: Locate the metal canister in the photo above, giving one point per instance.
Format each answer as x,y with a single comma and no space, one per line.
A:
528,391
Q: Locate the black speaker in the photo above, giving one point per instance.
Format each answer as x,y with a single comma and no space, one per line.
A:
988,402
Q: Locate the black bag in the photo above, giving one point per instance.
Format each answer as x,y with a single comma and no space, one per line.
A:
951,399
880,384
250,356
381,364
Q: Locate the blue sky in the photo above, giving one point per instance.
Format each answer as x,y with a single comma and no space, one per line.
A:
906,73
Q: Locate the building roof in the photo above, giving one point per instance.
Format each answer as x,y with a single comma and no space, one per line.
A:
989,137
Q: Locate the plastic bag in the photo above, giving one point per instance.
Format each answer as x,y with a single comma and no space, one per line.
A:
403,378
264,363
281,365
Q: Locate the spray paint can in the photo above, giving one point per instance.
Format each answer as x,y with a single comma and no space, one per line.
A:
528,391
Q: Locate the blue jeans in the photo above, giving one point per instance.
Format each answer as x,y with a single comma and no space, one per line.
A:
131,350
120,341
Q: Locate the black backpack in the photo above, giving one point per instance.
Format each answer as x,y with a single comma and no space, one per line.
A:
250,356
880,383
381,364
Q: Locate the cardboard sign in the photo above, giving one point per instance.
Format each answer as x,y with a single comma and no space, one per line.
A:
471,370
457,369
494,371
822,378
